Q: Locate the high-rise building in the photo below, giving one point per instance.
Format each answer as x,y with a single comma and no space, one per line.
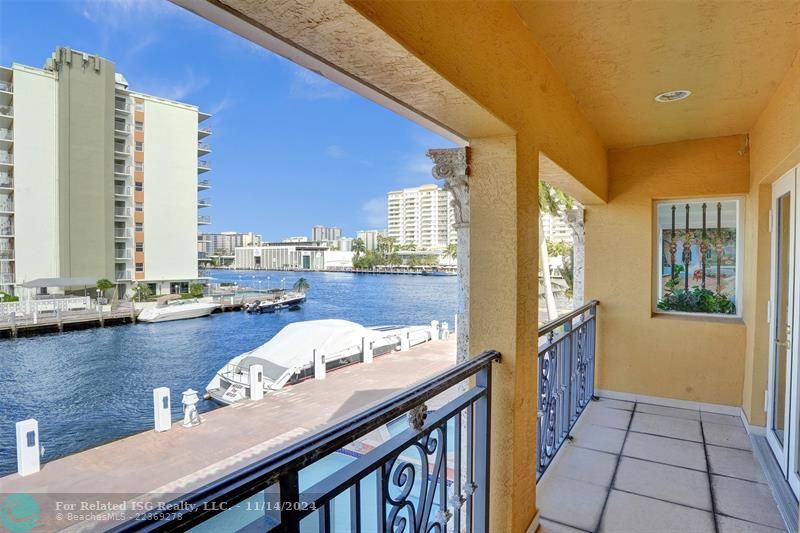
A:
555,228
325,234
96,180
422,216
226,242
370,238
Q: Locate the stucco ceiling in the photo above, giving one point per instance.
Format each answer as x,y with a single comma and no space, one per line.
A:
616,56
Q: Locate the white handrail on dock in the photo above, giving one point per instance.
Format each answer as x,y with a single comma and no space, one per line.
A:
31,307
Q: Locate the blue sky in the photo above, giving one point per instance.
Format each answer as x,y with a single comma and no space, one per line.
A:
290,149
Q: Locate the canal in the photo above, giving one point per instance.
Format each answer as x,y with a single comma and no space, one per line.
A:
93,386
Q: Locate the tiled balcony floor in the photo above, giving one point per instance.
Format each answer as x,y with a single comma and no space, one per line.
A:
643,468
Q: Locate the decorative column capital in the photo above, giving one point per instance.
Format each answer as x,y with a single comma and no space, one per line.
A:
451,165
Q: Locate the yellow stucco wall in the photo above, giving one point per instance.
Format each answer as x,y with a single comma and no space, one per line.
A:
775,138
639,352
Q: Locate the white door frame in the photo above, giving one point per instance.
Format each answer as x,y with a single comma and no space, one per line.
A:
786,453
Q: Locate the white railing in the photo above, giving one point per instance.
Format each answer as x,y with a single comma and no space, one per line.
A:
205,184
201,163
122,190
6,86
6,278
6,157
121,148
6,253
6,180
122,169
203,220
7,206
122,253
122,211
204,202
204,146
205,130
122,126
123,275
7,110
31,307
6,134
126,107
122,233
6,230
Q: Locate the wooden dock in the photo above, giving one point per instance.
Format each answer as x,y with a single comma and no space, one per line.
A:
157,467
58,322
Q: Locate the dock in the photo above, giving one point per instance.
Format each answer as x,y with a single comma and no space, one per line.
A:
58,322
158,467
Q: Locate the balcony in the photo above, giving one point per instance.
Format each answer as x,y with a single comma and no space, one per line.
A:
123,275
6,181
122,149
120,190
122,211
6,86
6,135
6,111
123,108
6,254
203,166
122,254
204,202
203,220
6,278
122,127
203,148
6,206
6,158
122,169
203,132
122,233
203,185
6,230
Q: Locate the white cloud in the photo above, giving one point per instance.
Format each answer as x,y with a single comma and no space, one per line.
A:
307,85
222,105
176,89
116,13
335,152
374,212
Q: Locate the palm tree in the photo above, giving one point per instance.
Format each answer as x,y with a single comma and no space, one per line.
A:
301,285
451,251
551,202
359,247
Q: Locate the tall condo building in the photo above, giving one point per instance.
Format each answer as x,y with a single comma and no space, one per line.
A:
325,234
422,216
370,237
96,180
226,242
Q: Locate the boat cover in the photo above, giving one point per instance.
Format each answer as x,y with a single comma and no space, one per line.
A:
294,345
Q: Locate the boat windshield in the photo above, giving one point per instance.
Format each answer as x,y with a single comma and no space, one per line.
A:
271,370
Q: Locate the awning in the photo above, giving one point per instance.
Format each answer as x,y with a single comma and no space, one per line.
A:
60,282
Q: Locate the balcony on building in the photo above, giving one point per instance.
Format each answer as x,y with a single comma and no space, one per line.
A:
123,275
122,128
203,185
122,169
122,149
6,116
122,190
203,148
122,232
6,181
6,90
202,166
203,220
6,278
122,107
6,253
6,159
6,137
122,254
6,205
122,211
204,202
203,132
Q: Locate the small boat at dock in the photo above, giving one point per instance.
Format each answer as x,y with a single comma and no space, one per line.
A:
172,307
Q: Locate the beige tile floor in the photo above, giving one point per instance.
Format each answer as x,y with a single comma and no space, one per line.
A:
640,468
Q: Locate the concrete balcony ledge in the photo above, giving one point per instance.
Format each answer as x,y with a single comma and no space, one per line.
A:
634,467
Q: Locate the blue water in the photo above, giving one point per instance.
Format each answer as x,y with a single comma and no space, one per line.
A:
93,386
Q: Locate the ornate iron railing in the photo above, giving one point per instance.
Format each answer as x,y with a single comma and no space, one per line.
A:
566,378
432,476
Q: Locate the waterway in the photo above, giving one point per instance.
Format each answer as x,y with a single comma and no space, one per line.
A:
90,387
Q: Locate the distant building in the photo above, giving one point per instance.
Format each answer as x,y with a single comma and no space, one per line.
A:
370,237
556,229
97,180
338,260
281,255
211,244
422,216
296,239
344,244
325,234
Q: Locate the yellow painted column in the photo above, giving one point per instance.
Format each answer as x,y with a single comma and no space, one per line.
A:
503,316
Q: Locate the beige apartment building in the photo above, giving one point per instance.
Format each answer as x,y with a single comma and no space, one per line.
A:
96,180
421,216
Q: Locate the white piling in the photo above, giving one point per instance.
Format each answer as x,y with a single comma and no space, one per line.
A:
434,332
405,342
162,409
319,365
445,331
366,350
28,447
256,382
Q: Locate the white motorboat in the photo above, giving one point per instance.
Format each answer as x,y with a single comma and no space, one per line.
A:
290,356
173,308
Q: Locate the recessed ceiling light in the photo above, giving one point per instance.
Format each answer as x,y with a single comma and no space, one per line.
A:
673,96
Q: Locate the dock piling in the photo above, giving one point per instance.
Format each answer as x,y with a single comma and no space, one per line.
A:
162,411
256,382
319,365
28,453
367,354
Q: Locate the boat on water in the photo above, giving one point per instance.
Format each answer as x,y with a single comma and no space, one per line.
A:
290,356
277,302
172,307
